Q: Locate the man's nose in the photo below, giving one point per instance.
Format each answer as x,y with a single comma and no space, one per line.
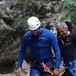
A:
61,33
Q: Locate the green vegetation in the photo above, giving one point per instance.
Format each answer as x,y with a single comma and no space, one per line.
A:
22,22
70,11
1,10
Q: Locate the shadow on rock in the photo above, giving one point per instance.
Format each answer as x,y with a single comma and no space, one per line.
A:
7,66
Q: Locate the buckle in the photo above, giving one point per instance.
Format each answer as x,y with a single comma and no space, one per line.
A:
46,68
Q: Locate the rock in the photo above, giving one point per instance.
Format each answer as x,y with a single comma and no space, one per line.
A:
13,24
12,71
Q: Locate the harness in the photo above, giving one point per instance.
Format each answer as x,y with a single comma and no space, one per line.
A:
71,67
46,68
42,64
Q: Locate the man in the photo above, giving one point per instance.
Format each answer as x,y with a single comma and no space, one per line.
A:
67,43
39,41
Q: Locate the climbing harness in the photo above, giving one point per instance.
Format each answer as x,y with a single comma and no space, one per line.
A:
46,68
70,66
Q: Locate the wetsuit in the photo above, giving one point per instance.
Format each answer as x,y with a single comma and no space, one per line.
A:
68,50
40,48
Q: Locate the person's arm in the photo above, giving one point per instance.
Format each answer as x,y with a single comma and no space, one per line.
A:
21,55
57,53
56,48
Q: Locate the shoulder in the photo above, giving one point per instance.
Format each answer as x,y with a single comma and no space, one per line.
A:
74,35
46,31
27,35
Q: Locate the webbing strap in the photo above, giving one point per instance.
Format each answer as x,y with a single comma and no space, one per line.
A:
70,66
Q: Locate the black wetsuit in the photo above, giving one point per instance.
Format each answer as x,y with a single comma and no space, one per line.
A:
68,48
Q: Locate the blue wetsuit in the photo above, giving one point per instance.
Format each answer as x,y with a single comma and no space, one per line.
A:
40,47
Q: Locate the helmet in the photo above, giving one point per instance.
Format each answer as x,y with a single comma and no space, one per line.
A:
33,23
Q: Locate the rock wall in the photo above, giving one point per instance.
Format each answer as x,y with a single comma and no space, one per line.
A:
13,17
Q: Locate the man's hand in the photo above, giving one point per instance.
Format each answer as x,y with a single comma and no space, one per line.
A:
56,72
18,72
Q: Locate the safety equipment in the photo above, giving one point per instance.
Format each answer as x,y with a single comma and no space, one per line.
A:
63,70
33,23
46,68
70,66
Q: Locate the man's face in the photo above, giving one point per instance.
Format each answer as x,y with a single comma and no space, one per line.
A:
62,31
35,32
